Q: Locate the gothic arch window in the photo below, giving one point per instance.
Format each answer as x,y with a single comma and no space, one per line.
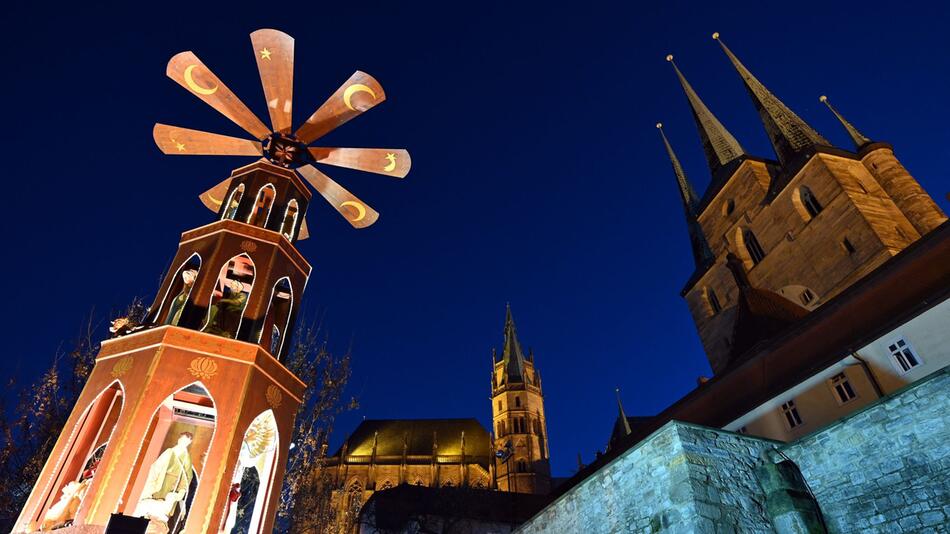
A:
806,203
388,484
749,247
233,203
260,212
177,295
253,477
290,219
277,319
712,301
88,442
354,499
229,297
171,457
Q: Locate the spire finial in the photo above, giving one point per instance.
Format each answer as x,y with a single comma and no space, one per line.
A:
701,252
857,137
789,134
719,146
623,416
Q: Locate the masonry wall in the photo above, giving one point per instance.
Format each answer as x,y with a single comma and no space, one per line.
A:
886,468
683,478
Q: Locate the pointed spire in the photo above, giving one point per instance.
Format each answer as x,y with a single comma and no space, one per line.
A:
859,139
720,146
789,134
701,251
511,353
623,416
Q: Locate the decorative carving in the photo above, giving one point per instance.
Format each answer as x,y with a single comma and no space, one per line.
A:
248,246
203,367
274,396
122,366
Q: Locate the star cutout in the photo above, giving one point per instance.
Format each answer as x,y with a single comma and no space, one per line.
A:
180,146
265,54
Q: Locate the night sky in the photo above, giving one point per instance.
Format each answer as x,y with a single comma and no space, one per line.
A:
538,177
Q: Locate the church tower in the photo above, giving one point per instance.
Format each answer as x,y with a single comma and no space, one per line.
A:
521,442
805,225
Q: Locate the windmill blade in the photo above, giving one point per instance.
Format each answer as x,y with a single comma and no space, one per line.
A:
274,51
358,214
214,197
176,141
389,161
186,69
358,94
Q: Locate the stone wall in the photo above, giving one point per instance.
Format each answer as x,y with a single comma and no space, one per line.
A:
886,468
683,478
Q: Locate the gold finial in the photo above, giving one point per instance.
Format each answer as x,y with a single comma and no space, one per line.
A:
669,57
716,35
822,98
659,125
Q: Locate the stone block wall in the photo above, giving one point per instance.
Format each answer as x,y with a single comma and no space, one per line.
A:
885,468
683,478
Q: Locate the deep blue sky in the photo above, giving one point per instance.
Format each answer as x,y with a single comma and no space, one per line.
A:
538,177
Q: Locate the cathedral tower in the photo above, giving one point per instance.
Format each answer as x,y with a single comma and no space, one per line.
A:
521,442
805,225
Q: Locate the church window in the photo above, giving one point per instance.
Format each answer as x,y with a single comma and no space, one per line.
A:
848,247
230,208
807,296
842,388
752,246
807,202
260,214
517,402
904,356
713,301
290,219
387,485
792,417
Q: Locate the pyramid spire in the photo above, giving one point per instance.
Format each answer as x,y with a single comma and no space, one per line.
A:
859,139
720,147
790,135
701,252
511,353
623,415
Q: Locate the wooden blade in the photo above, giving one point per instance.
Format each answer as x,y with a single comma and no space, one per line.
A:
389,161
304,232
213,197
186,69
274,52
176,141
358,94
358,214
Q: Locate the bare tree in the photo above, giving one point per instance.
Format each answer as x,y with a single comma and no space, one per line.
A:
305,500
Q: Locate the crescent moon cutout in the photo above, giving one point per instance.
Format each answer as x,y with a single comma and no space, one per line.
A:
392,162
355,88
359,208
194,86
215,201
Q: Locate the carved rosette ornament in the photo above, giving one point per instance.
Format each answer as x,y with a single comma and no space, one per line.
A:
274,396
248,246
203,367
122,366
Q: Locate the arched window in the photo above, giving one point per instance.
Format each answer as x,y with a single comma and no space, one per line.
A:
290,219
354,500
262,205
388,484
713,301
277,319
229,297
806,203
234,202
728,207
171,458
252,475
178,292
752,246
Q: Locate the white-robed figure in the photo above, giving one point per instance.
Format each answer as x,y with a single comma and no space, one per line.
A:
166,488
